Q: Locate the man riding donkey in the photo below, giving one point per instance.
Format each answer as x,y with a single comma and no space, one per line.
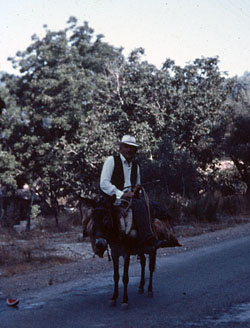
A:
120,177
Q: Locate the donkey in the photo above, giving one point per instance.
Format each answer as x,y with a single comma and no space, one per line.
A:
105,230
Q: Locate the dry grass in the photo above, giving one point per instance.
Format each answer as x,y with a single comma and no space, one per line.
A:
11,269
23,252
195,227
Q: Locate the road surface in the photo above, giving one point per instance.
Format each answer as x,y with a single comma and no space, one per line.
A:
206,287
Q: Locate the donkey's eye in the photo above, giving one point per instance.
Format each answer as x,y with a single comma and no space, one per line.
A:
106,220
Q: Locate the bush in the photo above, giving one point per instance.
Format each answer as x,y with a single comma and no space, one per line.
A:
205,208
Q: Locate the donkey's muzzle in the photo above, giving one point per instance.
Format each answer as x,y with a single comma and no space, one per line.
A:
100,246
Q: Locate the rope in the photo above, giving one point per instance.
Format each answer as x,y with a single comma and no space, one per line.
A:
148,208
109,257
129,202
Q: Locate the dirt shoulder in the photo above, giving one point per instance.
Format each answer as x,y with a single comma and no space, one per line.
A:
84,265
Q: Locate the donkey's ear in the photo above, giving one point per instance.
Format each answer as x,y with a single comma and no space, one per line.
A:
110,202
107,201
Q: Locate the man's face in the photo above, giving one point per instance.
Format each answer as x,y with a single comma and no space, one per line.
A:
128,151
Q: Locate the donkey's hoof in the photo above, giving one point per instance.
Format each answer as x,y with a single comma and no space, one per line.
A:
140,291
112,302
150,294
124,306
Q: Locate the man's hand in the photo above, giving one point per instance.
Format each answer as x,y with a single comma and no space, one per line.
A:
136,188
128,195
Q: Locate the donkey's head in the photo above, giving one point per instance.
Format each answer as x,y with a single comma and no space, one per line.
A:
103,224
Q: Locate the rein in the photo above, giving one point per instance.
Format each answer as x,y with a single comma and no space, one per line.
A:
129,202
145,195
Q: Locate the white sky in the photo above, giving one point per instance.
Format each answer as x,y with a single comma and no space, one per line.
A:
181,30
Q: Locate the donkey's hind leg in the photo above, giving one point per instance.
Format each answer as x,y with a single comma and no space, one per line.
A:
142,282
125,281
152,260
116,280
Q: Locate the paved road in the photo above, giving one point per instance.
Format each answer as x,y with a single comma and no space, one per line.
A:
207,287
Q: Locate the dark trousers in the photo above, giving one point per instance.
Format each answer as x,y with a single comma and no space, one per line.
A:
142,220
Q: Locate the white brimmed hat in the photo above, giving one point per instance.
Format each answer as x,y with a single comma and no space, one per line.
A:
129,140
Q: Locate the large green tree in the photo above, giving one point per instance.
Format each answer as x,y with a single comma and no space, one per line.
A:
62,79
77,96
235,143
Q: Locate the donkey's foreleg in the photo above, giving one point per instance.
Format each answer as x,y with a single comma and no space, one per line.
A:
152,260
116,280
142,282
125,281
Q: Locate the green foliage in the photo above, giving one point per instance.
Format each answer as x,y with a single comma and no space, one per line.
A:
35,212
200,94
77,95
9,169
204,208
237,146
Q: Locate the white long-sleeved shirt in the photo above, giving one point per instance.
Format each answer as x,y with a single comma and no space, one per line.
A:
107,170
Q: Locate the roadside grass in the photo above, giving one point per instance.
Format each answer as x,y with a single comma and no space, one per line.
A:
13,268
22,252
194,228
211,212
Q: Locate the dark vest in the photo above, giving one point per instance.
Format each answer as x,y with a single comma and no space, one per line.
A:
118,174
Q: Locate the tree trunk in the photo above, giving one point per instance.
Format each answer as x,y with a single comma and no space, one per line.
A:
248,187
56,212
1,205
29,211
244,173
